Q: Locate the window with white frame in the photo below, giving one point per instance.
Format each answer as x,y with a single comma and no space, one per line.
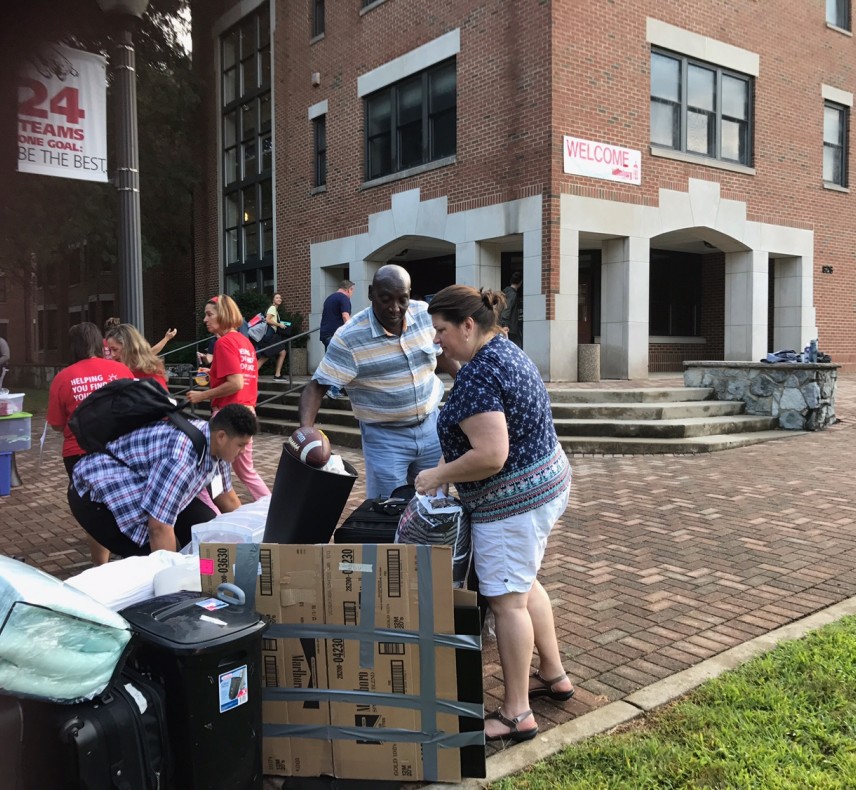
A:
838,13
247,145
835,127
411,122
700,108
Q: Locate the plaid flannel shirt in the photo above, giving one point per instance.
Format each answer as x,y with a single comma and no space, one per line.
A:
162,480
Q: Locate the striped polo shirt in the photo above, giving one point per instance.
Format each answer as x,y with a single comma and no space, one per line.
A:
390,378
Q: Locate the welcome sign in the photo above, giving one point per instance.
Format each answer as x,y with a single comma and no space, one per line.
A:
602,160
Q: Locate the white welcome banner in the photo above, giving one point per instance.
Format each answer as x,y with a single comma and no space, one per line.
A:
602,160
62,115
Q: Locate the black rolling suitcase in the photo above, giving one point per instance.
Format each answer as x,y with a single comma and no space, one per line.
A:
119,740
11,743
375,520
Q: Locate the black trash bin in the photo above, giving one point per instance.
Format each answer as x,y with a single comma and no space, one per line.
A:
207,654
307,502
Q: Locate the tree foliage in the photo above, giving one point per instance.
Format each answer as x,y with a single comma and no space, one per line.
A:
42,217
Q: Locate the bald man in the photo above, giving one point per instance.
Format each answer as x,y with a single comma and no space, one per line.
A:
386,357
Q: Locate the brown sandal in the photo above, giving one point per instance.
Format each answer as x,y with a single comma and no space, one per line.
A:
546,688
514,733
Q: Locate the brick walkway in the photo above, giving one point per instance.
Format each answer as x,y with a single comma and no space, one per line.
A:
659,562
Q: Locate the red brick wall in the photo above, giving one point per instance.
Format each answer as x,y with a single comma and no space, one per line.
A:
503,80
529,73
601,63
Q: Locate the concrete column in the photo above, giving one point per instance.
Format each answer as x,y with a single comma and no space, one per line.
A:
362,273
478,264
794,321
537,339
563,329
746,289
625,282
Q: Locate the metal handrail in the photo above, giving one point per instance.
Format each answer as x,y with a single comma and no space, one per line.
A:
287,342
291,388
181,348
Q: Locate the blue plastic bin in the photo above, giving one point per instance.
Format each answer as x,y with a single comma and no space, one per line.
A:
15,432
5,473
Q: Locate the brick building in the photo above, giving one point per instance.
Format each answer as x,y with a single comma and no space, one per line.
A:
671,179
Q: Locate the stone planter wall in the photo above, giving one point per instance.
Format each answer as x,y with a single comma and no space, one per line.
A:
802,397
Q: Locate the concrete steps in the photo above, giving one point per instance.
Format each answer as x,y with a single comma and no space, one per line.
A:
665,429
619,421
589,445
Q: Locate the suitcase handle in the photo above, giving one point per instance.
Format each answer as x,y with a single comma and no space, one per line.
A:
231,593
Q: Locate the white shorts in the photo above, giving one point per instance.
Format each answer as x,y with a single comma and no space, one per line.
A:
507,554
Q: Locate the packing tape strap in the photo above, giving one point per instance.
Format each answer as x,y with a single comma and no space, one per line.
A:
306,631
453,740
473,710
427,658
368,597
247,570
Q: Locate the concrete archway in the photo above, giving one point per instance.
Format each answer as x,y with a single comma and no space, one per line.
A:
698,218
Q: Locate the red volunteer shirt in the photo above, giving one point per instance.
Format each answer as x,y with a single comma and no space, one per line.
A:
139,374
233,354
71,385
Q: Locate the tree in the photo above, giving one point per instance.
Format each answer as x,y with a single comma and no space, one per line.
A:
42,217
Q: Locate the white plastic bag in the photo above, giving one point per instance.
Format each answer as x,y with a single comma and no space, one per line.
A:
439,521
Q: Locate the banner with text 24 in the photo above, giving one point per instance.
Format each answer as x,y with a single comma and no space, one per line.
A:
62,114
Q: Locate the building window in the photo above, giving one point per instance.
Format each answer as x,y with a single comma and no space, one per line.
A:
48,334
74,263
247,148
838,13
319,133
835,144
317,18
700,109
412,121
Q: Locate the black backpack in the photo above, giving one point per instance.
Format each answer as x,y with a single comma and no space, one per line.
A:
122,406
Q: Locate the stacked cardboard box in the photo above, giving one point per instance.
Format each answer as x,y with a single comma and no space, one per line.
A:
353,627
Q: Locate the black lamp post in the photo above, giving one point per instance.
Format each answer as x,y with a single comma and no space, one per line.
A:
128,12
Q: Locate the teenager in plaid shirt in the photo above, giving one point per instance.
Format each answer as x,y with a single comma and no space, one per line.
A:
147,500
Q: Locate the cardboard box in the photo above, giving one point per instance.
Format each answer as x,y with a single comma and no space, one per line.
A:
372,592
289,591
376,587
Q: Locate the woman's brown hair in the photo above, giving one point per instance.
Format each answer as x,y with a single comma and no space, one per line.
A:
86,341
456,303
136,352
226,311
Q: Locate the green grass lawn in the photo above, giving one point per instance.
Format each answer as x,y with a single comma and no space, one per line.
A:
784,720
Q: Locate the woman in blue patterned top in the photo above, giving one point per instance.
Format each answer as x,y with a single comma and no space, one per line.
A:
501,451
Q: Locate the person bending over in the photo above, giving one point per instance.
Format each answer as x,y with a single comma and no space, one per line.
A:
146,497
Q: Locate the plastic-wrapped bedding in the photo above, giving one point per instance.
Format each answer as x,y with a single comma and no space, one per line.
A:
56,643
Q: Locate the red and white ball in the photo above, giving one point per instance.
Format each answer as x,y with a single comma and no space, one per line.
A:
309,445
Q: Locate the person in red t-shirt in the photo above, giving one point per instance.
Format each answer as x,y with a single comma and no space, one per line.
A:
89,372
128,346
233,377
